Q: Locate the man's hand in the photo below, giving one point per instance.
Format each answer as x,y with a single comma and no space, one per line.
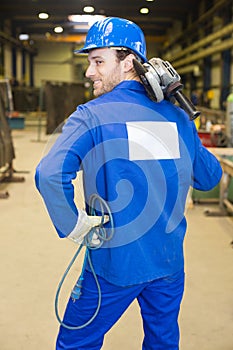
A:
85,224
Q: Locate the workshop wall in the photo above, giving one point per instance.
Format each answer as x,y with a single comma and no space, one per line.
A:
7,153
53,62
215,81
7,61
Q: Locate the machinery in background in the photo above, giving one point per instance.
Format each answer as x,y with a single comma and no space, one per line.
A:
7,152
229,119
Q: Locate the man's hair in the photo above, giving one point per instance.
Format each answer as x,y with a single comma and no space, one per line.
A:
123,53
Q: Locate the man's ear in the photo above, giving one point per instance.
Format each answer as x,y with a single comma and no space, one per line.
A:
128,63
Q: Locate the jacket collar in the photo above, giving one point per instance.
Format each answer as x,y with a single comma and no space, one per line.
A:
131,85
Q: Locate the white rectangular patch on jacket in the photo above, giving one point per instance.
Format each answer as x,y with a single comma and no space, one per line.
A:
153,140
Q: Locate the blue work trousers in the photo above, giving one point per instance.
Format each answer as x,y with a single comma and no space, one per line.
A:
159,301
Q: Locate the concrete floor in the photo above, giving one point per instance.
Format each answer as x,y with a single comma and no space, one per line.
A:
33,260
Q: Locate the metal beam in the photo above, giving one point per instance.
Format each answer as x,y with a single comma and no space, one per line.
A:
228,29
225,45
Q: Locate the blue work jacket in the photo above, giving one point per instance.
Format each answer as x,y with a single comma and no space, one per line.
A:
141,157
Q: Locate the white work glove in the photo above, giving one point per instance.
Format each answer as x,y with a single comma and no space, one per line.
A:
84,225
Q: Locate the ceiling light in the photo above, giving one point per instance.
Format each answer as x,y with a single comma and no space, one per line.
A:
58,29
144,10
88,9
149,0
43,15
85,20
23,36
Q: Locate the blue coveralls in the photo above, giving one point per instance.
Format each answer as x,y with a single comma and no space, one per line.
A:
141,157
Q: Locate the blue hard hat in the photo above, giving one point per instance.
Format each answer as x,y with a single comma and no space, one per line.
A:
115,32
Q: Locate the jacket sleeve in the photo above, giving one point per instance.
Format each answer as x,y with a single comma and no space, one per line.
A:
207,171
56,171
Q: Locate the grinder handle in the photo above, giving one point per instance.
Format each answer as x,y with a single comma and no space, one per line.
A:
186,104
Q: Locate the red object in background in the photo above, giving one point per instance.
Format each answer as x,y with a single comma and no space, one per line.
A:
208,139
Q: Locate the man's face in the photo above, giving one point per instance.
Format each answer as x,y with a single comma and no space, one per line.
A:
104,70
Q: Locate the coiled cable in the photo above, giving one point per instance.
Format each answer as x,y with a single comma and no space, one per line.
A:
101,235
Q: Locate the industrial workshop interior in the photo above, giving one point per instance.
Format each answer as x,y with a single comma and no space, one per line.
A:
42,81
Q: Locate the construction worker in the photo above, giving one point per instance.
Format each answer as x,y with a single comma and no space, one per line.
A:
140,157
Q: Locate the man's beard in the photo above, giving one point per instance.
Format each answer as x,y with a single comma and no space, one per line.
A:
108,83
